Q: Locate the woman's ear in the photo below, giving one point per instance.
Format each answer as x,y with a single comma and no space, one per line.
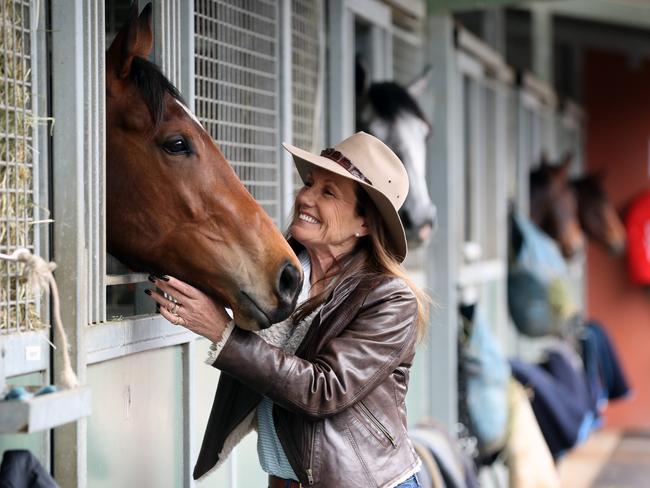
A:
364,230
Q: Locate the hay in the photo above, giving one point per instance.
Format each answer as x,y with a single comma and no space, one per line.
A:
18,304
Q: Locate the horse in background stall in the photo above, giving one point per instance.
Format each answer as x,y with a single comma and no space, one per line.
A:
553,205
390,112
598,217
174,204
568,209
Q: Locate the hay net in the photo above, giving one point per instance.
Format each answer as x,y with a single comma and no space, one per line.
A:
19,307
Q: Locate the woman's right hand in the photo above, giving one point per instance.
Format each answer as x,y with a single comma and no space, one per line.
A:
190,307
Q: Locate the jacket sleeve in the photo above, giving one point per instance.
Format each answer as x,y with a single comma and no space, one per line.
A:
353,363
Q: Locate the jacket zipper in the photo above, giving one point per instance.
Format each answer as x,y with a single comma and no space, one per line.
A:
310,473
377,423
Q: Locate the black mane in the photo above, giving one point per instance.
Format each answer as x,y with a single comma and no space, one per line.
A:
539,178
152,85
388,99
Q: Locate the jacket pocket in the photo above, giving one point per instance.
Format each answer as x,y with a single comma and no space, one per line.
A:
374,425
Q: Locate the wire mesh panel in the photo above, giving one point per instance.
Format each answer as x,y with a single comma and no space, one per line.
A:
408,55
236,89
307,75
18,164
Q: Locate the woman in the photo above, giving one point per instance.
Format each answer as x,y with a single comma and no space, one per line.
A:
326,388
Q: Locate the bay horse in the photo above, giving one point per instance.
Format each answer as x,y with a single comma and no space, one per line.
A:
390,112
553,205
174,204
598,217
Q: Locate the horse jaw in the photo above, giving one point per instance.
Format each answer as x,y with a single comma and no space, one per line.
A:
407,137
614,232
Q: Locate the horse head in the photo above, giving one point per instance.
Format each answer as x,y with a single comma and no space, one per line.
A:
389,112
598,217
553,205
174,204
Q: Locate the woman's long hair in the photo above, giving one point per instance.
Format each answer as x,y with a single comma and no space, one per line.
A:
379,260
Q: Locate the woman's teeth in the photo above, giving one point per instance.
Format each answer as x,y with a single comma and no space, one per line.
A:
307,218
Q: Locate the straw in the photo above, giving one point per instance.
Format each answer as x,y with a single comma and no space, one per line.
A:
18,305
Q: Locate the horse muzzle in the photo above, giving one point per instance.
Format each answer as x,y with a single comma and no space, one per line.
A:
420,228
255,316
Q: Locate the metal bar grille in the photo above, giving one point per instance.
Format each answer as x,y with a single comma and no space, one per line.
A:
167,48
236,89
307,75
18,195
95,155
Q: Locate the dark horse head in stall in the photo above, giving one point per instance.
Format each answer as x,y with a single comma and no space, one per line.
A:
174,204
598,217
553,205
389,112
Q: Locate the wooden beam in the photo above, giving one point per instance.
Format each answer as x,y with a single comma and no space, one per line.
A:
442,6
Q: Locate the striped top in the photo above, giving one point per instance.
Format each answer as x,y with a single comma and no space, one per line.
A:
269,449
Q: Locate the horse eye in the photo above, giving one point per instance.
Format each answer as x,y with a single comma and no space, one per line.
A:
176,145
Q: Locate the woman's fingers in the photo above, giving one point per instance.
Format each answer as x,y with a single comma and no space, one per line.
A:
201,316
174,319
175,288
165,303
167,308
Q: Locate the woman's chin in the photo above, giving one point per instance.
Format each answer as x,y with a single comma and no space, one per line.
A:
299,233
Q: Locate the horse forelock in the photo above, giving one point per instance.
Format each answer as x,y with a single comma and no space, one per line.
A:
389,100
589,189
152,85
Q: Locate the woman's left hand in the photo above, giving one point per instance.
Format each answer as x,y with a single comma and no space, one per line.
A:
190,308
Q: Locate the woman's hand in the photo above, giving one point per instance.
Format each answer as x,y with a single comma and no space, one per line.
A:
190,307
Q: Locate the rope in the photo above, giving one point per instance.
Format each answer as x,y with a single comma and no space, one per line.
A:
38,274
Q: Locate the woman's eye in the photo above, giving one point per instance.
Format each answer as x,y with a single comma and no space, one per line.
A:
176,145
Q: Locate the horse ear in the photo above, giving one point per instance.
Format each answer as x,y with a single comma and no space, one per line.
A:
544,161
361,77
135,39
418,86
564,167
567,159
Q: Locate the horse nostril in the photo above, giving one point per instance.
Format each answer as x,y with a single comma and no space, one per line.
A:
289,283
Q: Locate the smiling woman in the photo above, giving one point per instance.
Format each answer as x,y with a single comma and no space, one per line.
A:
325,388
326,219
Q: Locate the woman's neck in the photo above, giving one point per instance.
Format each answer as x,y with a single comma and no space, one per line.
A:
321,263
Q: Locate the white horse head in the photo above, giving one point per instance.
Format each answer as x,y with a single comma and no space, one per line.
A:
389,112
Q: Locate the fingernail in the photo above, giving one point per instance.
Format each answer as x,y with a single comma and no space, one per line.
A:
148,291
151,278
163,277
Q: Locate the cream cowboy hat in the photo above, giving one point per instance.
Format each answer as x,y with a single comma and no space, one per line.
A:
371,163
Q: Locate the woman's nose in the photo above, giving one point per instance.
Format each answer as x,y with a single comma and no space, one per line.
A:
305,196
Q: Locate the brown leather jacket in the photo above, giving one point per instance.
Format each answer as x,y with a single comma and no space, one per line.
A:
339,408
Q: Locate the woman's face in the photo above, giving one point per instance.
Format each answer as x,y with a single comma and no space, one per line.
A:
325,218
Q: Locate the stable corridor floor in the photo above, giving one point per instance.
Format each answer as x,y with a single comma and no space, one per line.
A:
609,459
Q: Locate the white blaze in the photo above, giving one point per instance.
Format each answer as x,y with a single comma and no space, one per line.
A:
189,113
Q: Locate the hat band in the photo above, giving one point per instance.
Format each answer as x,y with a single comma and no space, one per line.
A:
345,163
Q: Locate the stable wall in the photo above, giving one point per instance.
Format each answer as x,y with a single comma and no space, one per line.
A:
617,106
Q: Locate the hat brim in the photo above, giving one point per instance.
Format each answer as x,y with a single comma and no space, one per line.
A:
304,160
